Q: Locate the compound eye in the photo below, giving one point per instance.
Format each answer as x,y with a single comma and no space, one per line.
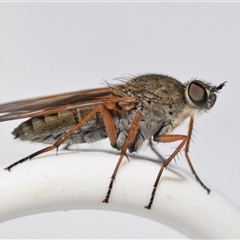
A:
197,94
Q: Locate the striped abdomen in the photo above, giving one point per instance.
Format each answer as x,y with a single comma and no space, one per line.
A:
50,128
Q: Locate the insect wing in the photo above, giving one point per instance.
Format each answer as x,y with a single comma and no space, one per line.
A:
60,102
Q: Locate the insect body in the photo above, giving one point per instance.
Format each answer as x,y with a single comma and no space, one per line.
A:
145,107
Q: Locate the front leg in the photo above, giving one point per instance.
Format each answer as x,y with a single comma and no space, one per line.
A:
185,140
166,138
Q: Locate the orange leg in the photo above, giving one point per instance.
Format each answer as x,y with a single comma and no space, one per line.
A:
185,141
130,140
188,159
110,129
112,134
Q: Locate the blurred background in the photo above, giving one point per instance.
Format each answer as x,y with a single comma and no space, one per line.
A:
49,48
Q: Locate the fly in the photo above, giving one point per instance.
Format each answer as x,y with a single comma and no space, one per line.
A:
146,107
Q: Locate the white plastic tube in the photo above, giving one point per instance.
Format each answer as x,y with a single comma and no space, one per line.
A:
80,181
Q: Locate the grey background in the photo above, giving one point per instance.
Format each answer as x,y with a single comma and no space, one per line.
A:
48,48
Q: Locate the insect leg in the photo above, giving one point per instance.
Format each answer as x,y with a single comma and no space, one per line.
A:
110,128
166,138
185,141
188,159
130,140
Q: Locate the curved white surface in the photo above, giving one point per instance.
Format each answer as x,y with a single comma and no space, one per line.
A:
79,181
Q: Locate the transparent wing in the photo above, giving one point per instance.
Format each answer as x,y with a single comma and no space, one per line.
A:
56,103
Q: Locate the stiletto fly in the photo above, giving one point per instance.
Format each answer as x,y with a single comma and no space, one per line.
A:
146,107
